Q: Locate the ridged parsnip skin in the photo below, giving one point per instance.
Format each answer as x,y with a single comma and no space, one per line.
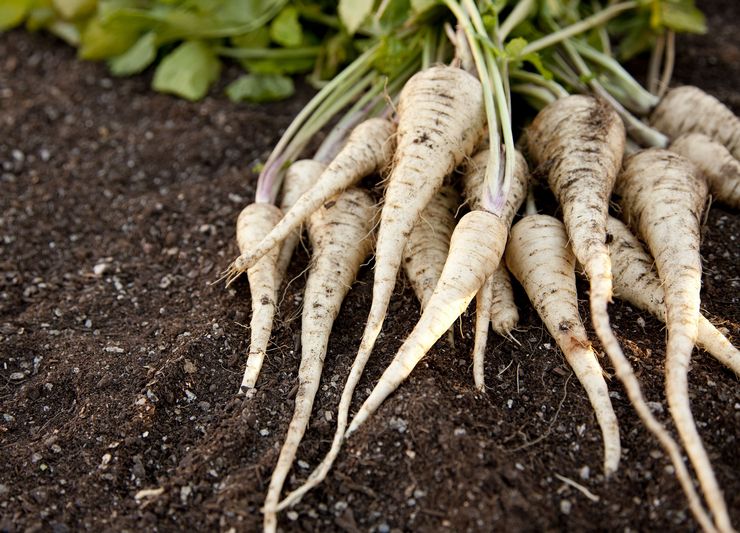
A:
253,223
299,177
636,282
494,302
429,243
539,256
475,251
714,160
341,238
688,109
368,149
662,198
441,119
578,143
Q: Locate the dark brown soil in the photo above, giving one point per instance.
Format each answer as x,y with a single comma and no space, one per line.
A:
120,360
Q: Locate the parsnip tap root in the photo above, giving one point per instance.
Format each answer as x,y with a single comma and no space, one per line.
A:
440,121
341,238
688,109
636,282
429,243
368,149
475,251
299,178
714,160
494,303
578,142
662,197
539,256
254,222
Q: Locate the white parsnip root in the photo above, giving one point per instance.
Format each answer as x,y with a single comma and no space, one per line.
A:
341,238
636,282
299,178
254,222
494,302
429,243
539,256
688,109
662,197
714,160
368,149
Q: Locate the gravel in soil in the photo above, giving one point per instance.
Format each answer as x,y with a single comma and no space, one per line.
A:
120,357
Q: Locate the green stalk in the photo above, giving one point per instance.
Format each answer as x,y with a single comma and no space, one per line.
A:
553,87
268,53
638,130
540,94
586,24
490,108
272,171
518,15
636,92
498,193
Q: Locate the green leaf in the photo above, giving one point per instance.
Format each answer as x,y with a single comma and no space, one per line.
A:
515,47
259,38
293,65
260,88
419,6
285,29
72,9
682,16
188,71
101,41
12,13
396,12
136,58
354,12
242,11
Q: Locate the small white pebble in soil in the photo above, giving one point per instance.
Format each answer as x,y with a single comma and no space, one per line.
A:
105,460
459,432
292,516
565,506
398,424
303,464
100,269
656,407
641,322
584,472
509,403
264,432
519,466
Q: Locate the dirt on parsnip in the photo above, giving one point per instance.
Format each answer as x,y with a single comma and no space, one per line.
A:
120,359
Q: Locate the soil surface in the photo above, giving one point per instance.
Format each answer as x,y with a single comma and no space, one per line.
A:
120,359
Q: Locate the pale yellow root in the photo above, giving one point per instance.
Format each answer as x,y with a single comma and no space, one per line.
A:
662,198
475,251
688,109
300,177
636,281
254,222
341,237
368,149
495,301
440,121
539,256
721,170
429,243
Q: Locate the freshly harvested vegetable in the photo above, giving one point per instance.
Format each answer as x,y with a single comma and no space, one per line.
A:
300,177
475,250
636,281
341,236
255,221
721,170
429,243
367,150
539,256
662,197
494,302
578,142
688,109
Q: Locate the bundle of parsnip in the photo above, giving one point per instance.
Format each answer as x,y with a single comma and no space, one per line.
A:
441,120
